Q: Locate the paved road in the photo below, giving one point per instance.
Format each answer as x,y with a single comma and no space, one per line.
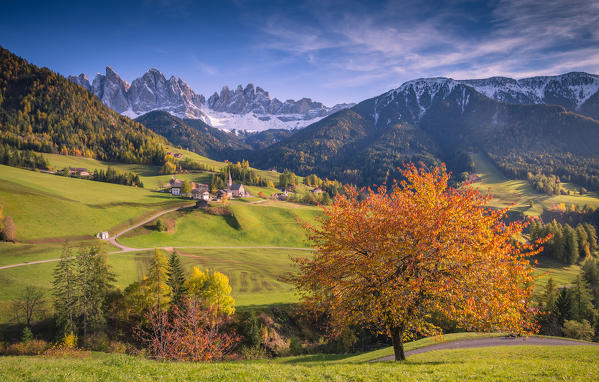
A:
497,341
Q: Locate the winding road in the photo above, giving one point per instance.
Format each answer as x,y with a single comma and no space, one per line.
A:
125,249
497,341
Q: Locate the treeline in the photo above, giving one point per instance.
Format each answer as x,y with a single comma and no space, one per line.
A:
172,166
572,312
578,169
549,185
114,176
23,159
240,173
567,244
43,111
331,187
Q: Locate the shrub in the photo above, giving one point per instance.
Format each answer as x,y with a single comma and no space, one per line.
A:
27,334
252,352
97,342
118,347
160,226
578,330
32,347
295,346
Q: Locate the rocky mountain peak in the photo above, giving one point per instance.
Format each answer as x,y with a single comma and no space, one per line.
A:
81,80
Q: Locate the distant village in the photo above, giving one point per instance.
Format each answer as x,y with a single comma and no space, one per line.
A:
201,191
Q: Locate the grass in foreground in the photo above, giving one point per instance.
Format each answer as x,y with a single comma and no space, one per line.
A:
496,363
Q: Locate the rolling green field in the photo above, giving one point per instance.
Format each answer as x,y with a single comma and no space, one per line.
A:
519,193
48,206
517,363
250,224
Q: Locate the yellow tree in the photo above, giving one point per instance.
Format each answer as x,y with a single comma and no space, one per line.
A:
213,288
421,248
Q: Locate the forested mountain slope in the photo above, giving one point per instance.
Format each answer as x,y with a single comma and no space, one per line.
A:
43,111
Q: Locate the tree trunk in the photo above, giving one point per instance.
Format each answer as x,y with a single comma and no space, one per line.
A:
396,334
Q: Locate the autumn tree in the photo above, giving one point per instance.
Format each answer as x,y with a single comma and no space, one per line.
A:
213,289
9,232
397,256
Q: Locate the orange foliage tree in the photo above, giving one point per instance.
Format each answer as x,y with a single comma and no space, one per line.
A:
399,256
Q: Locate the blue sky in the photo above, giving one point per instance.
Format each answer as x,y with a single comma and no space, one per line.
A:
331,51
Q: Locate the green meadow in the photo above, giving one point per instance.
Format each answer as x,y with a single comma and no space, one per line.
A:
517,363
517,194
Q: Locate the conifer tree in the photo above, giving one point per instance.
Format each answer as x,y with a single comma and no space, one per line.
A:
156,283
571,241
582,305
176,278
66,291
95,280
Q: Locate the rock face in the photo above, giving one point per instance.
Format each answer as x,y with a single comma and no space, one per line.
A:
112,90
153,91
81,80
249,108
257,100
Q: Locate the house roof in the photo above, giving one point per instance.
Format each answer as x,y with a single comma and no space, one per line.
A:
236,187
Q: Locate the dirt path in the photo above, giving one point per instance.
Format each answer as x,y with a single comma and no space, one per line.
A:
124,248
497,341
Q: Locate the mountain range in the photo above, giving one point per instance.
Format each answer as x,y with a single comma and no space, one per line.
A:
246,109
540,124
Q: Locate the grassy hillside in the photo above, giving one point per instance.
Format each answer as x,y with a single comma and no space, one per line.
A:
249,224
520,193
495,363
48,206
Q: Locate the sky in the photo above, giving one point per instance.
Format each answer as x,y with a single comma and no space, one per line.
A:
330,51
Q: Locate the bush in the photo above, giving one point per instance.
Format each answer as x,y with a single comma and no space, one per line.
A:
33,347
97,342
253,352
27,334
160,226
295,346
118,347
578,330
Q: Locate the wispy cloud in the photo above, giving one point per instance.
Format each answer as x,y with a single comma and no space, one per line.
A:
358,44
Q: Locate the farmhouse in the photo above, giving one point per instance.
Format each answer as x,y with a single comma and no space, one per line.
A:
474,178
175,186
79,171
102,235
199,191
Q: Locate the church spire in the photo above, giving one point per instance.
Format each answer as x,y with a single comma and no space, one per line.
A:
230,183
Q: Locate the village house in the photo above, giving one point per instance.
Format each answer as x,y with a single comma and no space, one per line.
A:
474,178
102,235
199,191
79,171
175,186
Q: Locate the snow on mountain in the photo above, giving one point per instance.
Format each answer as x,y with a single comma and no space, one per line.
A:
570,90
410,102
249,108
